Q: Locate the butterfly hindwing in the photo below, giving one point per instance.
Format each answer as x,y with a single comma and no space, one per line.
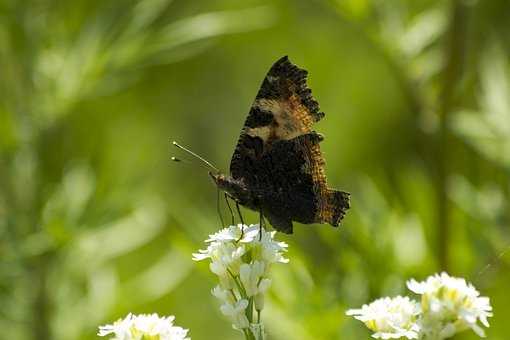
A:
278,155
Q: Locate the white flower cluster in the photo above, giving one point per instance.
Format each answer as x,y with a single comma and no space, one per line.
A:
144,326
390,318
448,306
242,261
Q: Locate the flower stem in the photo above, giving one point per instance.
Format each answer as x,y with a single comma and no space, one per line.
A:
248,334
239,285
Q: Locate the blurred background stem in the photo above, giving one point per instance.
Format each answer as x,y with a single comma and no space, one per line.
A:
454,50
40,317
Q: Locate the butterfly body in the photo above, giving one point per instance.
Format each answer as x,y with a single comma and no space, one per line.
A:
277,167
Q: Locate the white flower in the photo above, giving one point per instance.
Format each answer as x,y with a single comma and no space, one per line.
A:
236,312
223,243
220,293
120,328
390,318
254,283
269,250
241,257
137,327
259,298
231,233
451,305
234,232
224,256
252,277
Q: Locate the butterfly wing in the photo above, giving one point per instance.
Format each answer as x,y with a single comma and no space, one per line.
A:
278,155
284,107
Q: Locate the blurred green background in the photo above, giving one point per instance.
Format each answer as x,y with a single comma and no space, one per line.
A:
96,222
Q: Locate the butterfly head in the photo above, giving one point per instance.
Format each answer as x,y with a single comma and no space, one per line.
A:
235,188
226,183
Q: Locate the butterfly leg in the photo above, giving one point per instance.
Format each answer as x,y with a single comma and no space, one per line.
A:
242,221
239,213
218,208
229,209
261,223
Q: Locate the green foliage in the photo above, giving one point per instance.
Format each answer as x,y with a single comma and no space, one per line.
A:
96,222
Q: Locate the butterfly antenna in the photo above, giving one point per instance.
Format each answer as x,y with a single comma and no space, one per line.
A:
203,160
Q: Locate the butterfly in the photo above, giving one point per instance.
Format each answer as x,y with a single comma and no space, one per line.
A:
277,168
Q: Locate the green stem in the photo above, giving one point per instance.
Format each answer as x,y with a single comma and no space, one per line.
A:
249,310
248,334
233,294
239,285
